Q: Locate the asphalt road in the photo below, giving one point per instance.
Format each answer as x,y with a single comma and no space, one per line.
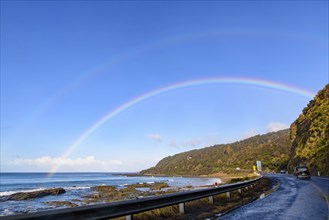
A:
294,199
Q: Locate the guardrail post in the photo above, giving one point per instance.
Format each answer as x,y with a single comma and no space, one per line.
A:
239,190
181,207
228,194
129,217
211,199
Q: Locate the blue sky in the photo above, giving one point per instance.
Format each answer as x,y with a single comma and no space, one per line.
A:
65,65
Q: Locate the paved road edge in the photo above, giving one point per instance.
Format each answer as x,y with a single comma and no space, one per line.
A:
275,187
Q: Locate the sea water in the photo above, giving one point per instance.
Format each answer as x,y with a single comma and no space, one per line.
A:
76,186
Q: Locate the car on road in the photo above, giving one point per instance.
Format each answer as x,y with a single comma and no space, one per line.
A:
283,171
302,172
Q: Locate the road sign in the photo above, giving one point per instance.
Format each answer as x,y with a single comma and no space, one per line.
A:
259,165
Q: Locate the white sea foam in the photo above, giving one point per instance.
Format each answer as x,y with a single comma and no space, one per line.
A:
6,212
77,187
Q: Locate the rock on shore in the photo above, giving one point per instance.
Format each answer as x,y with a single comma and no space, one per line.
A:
111,193
36,194
61,204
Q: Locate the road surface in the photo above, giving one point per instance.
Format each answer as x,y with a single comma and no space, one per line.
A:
294,199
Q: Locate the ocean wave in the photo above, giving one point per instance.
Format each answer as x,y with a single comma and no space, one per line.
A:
6,212
76,187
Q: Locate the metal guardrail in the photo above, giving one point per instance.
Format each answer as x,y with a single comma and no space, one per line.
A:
130,207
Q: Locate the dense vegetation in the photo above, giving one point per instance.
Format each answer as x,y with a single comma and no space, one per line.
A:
310,135
272,149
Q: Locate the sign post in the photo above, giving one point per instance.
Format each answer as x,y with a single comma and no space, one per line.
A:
259,166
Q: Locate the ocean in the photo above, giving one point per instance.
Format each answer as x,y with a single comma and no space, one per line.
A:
76,185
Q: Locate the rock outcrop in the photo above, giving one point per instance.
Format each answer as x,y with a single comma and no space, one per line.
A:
111,193
36,194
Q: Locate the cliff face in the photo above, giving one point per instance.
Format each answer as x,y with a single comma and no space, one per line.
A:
310,135
272,149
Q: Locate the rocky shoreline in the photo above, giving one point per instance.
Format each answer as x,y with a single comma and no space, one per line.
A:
108,193
99,194
135,191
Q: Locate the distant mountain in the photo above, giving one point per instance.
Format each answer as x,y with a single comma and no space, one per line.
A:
272,149
310,135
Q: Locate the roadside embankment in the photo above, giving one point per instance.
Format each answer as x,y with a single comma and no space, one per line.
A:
204,209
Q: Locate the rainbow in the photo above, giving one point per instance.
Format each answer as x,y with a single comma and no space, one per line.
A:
180,85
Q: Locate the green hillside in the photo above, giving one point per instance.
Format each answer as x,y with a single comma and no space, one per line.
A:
310,135
272,149
306,143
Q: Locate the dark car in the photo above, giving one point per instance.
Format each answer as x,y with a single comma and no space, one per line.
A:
302,172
